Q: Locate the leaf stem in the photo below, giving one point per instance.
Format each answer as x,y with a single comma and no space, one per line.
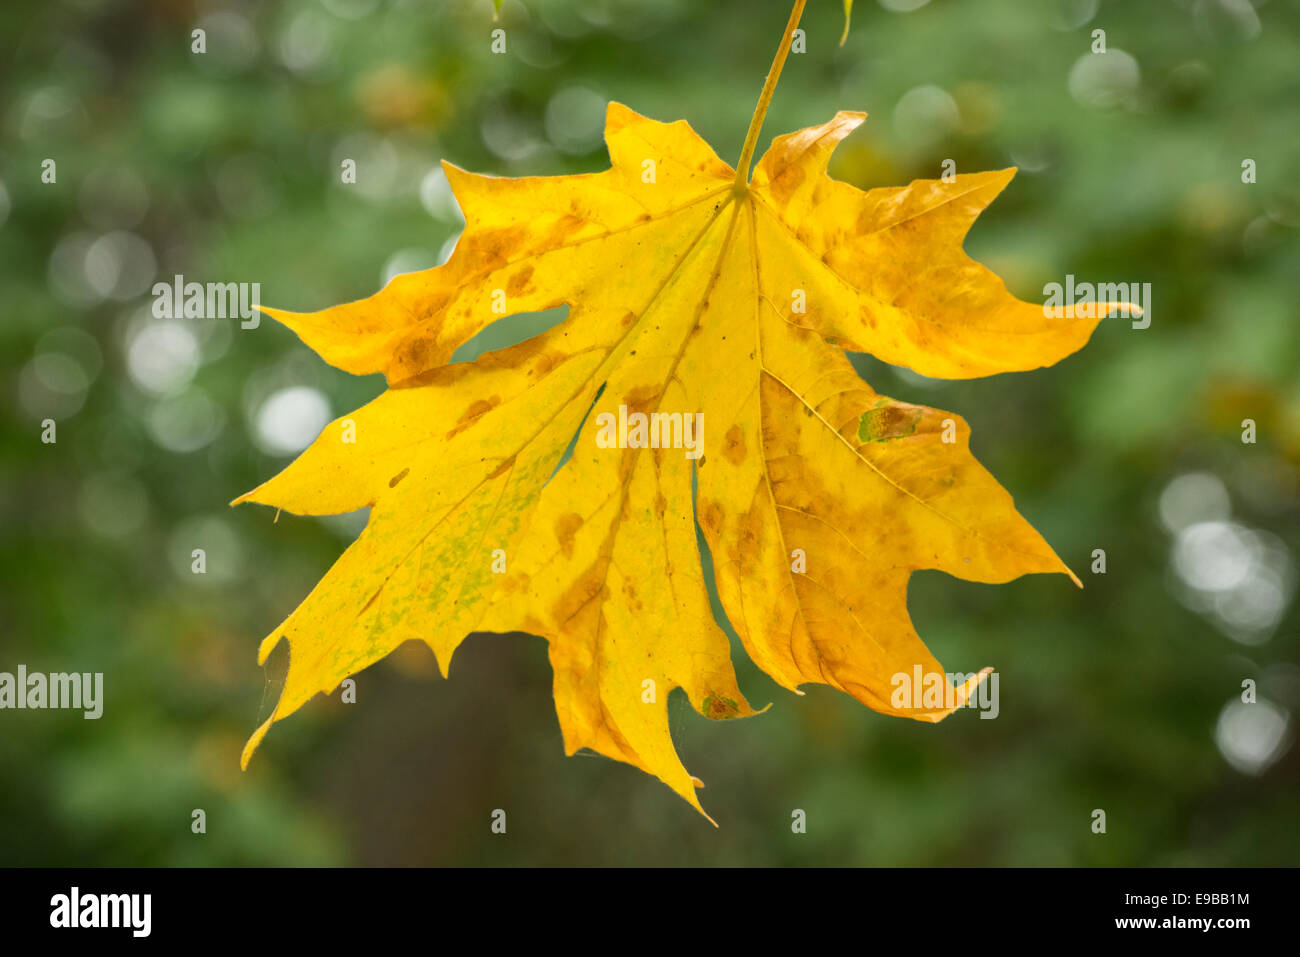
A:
765,98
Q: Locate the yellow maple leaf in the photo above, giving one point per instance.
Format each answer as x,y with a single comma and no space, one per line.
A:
717,306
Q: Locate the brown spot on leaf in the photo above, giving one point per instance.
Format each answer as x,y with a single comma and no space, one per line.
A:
720,707
711,516
414,355
787,182
579,598
519,281
890,421
392,482
496,247
477,408
566,527
642,398
629,591
734,447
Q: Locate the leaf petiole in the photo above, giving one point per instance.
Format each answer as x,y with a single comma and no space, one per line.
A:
765,98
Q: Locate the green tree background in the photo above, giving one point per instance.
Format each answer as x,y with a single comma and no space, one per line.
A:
224,166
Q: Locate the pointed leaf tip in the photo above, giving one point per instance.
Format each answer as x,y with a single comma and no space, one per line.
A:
253,742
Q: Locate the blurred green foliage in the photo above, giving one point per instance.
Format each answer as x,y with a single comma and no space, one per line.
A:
225,166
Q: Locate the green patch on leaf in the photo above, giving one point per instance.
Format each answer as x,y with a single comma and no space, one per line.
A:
888,422
720,707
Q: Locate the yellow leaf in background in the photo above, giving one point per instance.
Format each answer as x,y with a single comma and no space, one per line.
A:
718,307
